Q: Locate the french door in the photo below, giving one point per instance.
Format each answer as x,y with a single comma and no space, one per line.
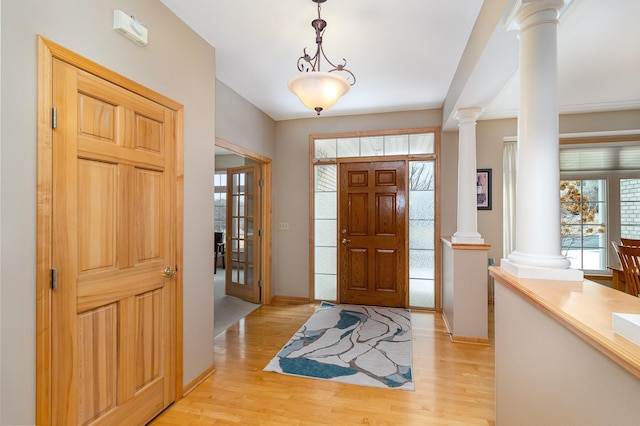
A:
242,248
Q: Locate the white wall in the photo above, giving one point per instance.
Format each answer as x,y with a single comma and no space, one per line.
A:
490,136
547,375
176,63
464,292
242,124
226,161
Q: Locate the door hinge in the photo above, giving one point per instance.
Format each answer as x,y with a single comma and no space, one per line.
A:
54,118
261,183
260,233
54,279
260,283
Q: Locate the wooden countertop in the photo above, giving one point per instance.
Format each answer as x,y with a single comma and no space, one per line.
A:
585,308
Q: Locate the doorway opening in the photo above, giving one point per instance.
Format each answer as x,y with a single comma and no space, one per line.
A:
332,249
242,215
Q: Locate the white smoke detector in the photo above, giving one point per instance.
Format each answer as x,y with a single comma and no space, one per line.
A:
130,27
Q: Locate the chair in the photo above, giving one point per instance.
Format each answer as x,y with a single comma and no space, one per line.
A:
630,242
630,261
219,249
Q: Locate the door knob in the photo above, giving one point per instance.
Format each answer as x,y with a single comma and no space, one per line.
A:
345,241
169,272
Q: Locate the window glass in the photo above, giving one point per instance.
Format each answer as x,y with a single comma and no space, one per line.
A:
396,145
583,227
372,146
421,234
325,222
422,143
325,148
349,147
220,201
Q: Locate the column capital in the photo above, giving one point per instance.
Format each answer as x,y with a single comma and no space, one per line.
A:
526,13
467,115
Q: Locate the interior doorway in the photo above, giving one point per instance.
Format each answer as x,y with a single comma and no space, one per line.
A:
229,306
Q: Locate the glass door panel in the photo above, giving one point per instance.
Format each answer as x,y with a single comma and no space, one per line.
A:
243,225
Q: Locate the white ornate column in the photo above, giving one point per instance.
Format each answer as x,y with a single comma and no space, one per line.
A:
467,232
538,252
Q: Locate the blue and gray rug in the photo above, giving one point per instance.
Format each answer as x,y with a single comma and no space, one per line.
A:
363,345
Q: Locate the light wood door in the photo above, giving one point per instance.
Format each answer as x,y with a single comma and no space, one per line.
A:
113,234
242,249
372,225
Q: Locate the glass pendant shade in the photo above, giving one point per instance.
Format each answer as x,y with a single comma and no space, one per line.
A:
319,90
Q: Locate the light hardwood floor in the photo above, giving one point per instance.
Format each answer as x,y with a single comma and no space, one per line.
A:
454,382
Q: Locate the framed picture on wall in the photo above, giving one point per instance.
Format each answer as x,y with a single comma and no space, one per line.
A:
483,189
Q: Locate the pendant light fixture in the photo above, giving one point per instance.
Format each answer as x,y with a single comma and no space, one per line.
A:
317,89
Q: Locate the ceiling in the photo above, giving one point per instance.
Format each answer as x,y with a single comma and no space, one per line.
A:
418,54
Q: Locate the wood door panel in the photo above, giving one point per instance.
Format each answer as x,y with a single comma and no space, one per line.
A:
358,262
97,362
97,118
386,265
358,206
97,227
149,134
149,218
386,178
148,356
372,250
386,218
358,179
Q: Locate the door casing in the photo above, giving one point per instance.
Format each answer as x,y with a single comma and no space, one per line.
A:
266,215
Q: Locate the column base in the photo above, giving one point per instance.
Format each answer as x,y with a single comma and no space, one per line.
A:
541,272
467,238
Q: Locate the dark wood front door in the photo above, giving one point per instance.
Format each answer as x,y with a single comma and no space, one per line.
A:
372,228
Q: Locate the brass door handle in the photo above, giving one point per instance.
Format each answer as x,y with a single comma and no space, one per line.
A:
345,241
169,272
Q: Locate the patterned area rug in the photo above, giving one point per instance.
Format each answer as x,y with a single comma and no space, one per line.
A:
362,345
